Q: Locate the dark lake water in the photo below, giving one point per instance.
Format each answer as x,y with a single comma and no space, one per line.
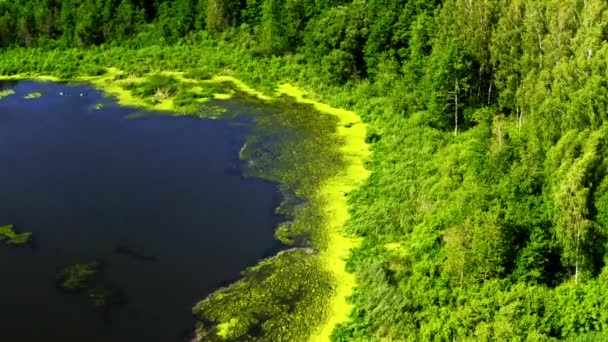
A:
89,184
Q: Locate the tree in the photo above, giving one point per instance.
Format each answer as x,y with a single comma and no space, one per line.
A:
124,23
446,82
88,25
217,17
573,226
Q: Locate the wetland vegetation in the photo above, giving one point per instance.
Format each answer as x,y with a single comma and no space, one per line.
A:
484,216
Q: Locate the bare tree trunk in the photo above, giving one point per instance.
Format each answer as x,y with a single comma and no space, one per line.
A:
456,108
479,83
500,136
490,89
540,40
520,118
578,234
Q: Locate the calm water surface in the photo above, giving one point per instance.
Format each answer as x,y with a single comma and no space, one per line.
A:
87,181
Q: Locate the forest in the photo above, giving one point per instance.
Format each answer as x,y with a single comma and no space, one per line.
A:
486,213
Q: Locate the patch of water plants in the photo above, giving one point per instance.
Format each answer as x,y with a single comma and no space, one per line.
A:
33,95
10,237
6,92
77,277
85,279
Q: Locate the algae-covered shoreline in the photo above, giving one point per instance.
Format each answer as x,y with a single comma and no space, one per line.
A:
309,291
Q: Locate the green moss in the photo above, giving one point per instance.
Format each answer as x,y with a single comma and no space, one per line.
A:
33,95
76,278
5,93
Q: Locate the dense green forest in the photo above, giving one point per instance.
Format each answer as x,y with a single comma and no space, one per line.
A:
486,213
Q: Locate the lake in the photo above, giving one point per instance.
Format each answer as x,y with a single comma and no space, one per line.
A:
160,201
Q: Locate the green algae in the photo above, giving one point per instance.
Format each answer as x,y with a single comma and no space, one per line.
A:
283,234
6,93
78,277
263,304
8,233
33,95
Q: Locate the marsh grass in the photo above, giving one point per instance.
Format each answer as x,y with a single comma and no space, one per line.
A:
155,85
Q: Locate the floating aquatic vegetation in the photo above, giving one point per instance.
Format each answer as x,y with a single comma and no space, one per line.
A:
283,233
33,95
6,92
98,106
78,277
265,302
8,233
85,279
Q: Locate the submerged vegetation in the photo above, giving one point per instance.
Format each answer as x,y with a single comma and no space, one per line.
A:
106,298
78,277
7,232
85,279
485,213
